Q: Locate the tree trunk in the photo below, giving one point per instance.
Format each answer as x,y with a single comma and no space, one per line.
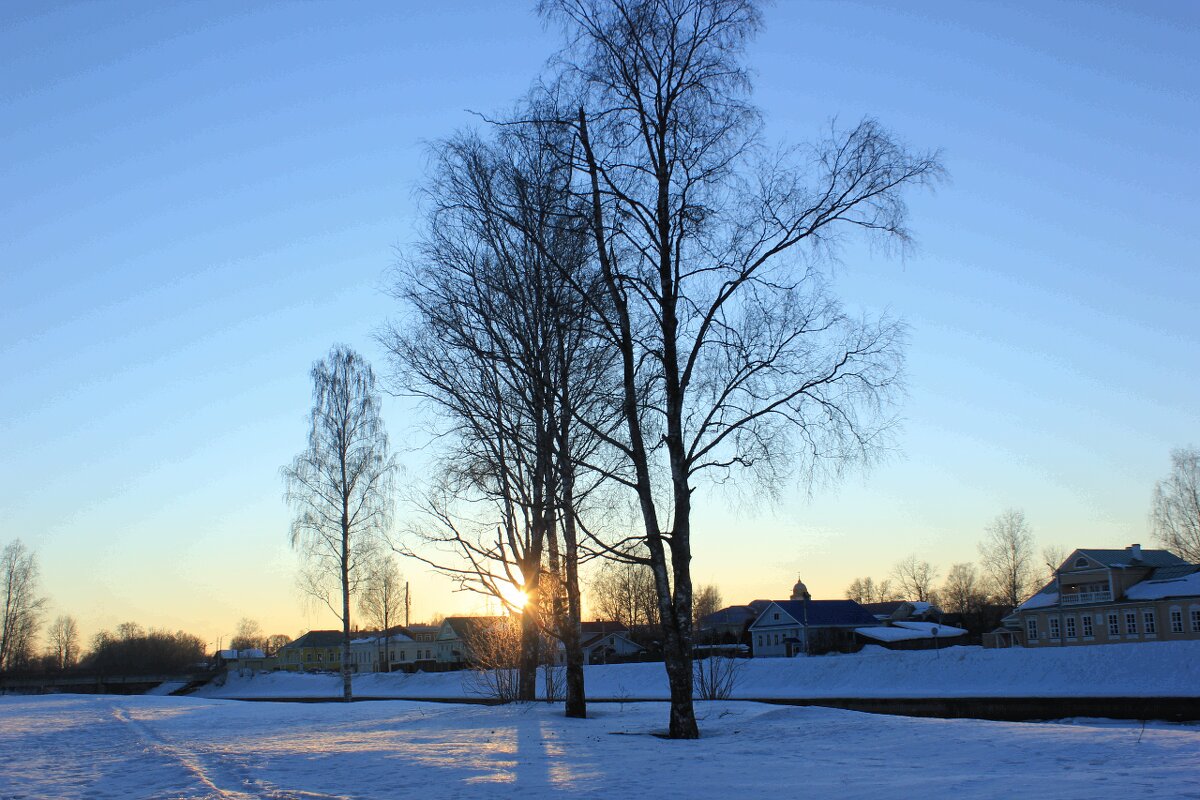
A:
530,655
347,694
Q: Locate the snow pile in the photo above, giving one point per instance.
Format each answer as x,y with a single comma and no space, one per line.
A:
1156,669
164,689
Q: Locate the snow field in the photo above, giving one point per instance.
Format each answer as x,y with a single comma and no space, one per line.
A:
95,747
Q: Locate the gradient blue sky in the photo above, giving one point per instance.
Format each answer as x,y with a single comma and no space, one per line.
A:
197,200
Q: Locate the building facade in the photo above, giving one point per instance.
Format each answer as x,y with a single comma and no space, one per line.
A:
1111,596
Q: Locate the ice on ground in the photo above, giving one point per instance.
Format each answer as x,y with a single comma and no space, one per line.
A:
1162,669
135,748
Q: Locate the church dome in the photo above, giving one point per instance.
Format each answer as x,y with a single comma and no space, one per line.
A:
800,591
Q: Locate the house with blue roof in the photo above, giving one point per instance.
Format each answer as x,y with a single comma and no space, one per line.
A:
802,625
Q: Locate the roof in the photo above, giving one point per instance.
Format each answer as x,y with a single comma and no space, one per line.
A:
1124,558
1151,589
908,631
731,615
885,608
1044,597
824,613
465,626
316,639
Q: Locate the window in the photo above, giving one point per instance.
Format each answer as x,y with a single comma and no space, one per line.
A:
1113,628
760,640
1131,623
1080,563
1176,621
1196,620
1148,622
1031,629
1054,632
1087,626
776,616
1070,627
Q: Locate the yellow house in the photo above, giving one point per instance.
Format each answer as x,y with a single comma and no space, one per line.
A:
1110,596
314,651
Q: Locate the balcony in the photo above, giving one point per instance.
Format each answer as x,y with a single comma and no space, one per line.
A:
1079,598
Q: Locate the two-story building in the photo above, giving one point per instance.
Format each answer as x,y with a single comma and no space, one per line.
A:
1110,596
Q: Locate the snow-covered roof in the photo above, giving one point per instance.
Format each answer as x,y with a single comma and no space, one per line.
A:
908,631
1046,596
1188,586
884,633
943,631
233,655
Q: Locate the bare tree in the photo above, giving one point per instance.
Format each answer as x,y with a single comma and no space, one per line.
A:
1175,512
733,354
249,636
382,602
707,601
20,605
275,642
1053,555
340,487
963,593
501,348
1006,554
867,590
624,591
915,579
63,636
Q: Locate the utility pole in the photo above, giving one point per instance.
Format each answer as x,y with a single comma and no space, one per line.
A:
406,604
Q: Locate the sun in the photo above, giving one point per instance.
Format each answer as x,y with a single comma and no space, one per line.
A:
513,596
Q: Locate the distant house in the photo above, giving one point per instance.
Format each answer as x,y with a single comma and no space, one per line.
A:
805,626
398,652
1109,596
603,642
459,637
730,623
251,659
315,650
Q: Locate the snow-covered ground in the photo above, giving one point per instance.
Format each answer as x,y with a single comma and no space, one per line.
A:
99,747
1160,669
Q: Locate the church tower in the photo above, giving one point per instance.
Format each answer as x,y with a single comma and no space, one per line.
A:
800,591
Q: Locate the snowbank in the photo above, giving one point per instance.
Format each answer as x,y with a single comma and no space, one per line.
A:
1155,669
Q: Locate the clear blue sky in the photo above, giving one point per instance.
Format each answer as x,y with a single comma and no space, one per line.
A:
197,200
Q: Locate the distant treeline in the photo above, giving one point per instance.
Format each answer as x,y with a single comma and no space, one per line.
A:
132,650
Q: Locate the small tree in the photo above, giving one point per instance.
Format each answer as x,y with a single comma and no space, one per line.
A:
1175,512
382,603
962,593
1053,555
275,642
495,651
707,601
915,579
249,636
867,590
63,649
624,591
20,605
1007,557
340,487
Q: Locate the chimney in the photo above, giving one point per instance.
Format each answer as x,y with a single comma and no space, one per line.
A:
1135,551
